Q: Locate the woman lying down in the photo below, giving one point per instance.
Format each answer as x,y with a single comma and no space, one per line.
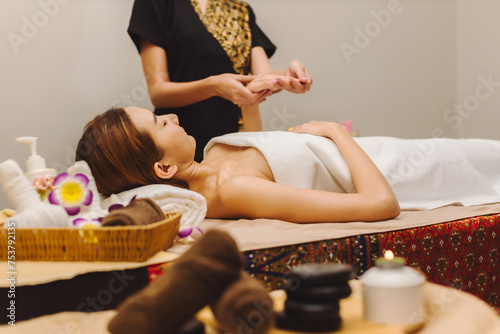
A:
315,172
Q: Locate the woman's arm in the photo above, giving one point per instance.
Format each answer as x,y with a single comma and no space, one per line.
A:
300,79
267,82
251,118
373,200
167,94
259,65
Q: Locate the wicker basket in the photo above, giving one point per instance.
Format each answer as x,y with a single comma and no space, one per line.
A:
127,243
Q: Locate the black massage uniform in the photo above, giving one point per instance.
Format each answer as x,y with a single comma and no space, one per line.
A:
198,46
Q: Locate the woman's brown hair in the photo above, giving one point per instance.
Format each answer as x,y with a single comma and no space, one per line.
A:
120,156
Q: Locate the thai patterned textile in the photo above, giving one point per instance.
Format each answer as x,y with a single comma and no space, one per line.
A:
228,22
463,254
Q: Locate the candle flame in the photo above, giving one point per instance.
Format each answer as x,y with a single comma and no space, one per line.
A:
389,255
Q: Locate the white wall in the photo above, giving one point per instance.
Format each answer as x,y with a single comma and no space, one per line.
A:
77,60
478,62
74,62
399,84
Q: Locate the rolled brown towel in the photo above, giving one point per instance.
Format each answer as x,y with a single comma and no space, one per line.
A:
141,211
194,280
245,307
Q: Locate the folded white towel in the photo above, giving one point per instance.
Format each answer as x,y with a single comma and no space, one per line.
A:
424,173
169,198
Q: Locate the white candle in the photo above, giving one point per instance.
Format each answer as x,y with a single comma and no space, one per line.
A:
392,292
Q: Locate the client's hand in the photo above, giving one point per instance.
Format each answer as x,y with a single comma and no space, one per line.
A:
324,129
268,82
232,87
301,80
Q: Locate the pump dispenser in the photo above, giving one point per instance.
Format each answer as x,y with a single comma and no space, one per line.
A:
35,164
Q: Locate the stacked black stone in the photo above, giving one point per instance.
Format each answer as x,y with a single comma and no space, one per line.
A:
313,294
192,326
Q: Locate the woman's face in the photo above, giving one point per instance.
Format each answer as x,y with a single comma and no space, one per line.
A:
170,138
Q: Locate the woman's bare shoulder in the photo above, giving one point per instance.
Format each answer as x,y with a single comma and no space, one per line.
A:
233,198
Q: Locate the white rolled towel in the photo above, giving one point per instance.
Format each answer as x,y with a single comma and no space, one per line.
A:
192,205
32,212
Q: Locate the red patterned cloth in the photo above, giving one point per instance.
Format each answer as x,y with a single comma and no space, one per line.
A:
463,254
155,270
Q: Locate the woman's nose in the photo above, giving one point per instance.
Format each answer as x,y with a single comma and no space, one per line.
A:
173,118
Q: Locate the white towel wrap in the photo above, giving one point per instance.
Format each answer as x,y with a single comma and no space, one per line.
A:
424,173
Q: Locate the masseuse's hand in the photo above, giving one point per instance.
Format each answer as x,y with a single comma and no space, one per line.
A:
270,82
324,129
301,80
232,87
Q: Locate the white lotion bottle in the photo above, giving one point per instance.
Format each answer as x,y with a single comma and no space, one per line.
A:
35,164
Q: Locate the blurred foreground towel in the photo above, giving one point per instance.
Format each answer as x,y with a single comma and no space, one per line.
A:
424,173
170,199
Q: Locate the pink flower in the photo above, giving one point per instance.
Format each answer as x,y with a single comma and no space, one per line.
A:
44,185
348,125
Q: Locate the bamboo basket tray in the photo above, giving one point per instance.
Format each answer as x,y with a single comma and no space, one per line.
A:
127,243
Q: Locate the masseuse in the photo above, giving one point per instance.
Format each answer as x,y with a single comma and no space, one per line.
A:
196,56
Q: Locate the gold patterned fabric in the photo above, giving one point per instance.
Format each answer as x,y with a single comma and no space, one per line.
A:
228,22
